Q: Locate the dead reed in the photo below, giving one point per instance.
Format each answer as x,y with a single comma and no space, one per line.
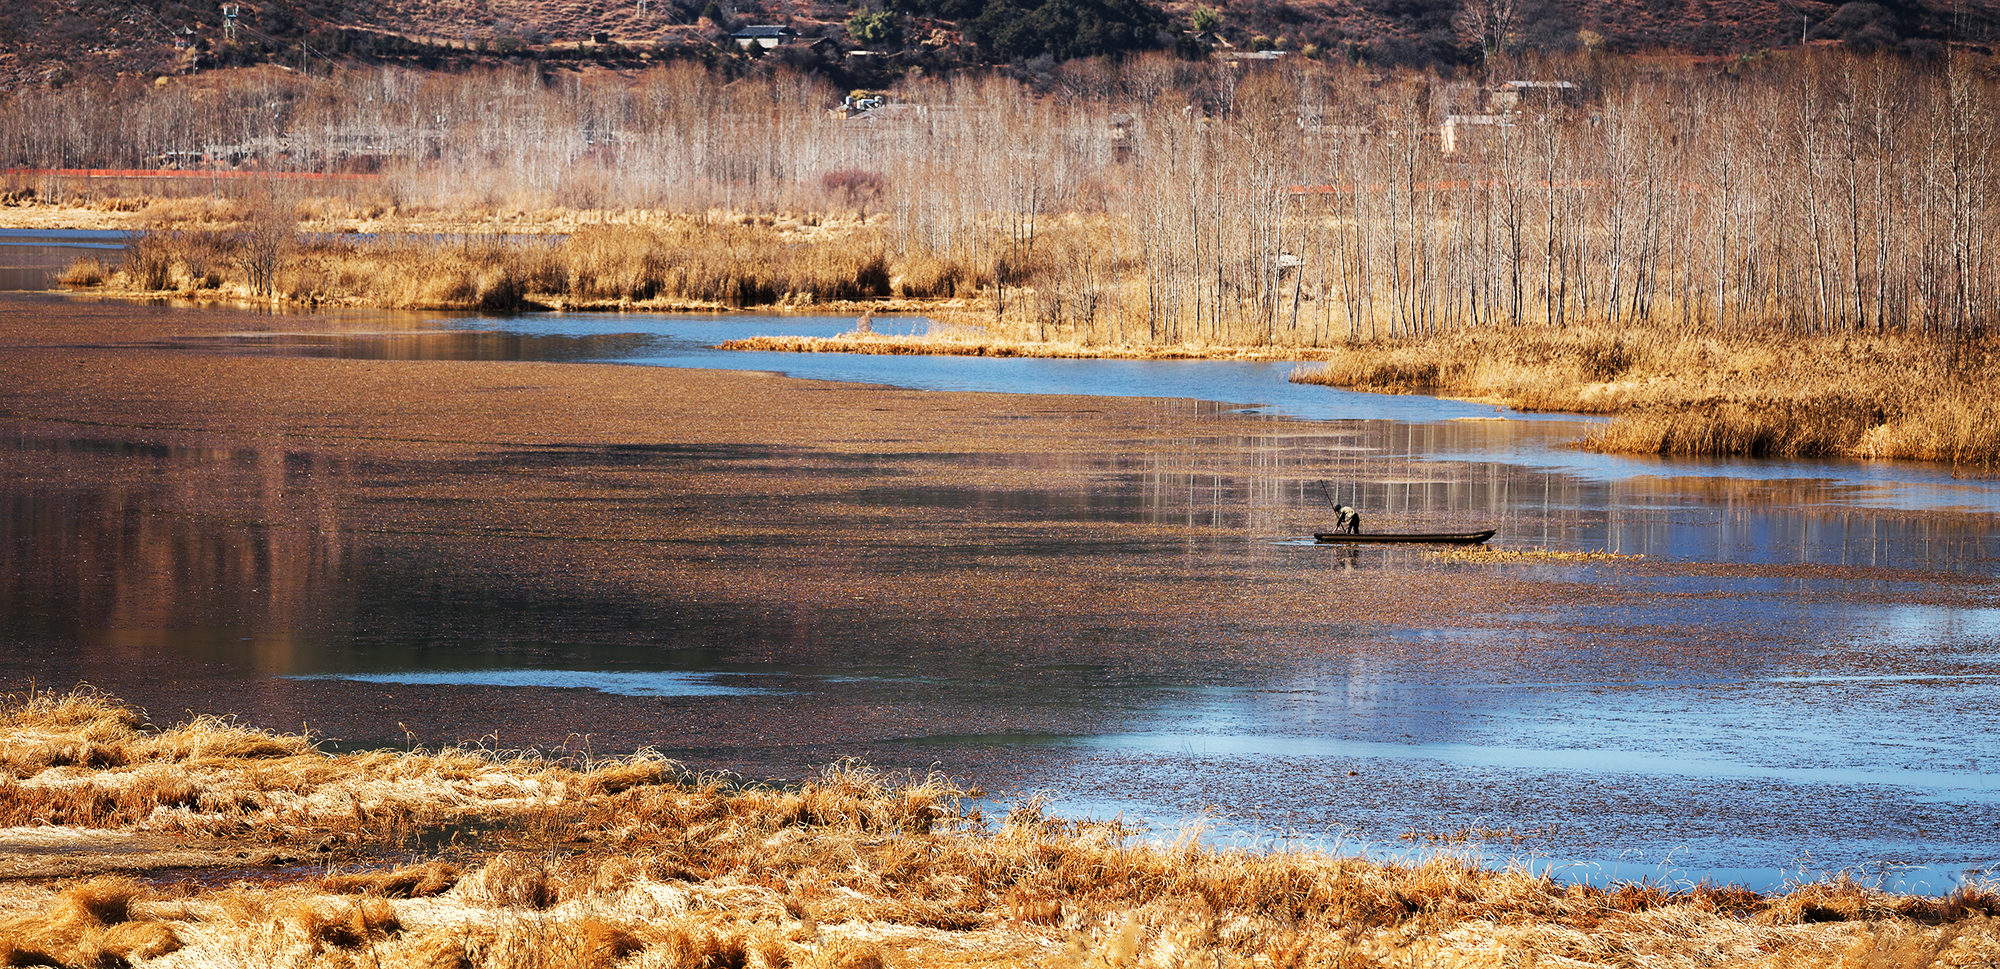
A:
637,862
91,923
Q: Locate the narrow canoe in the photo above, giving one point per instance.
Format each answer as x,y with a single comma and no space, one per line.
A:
1407,538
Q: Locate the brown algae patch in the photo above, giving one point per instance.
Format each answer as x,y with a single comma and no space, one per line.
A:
1487,555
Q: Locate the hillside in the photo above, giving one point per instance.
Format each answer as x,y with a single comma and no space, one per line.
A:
47,42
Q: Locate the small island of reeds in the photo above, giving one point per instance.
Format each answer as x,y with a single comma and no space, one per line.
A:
207,842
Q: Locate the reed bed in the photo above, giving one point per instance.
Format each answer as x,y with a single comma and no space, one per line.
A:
470,857
664,263
1712,394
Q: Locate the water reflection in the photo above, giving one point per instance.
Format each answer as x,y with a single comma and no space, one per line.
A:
85,526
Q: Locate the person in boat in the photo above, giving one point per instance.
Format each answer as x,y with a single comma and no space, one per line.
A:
1346,519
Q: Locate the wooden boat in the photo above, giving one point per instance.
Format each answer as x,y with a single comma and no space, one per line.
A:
1405,538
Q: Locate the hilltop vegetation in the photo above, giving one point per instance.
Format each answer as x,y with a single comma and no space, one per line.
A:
44,42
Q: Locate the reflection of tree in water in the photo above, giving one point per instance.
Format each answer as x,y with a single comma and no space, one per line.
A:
130,535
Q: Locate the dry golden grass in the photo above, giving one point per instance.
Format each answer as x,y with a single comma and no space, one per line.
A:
84,272
930,276
635,862
684,263
1878,396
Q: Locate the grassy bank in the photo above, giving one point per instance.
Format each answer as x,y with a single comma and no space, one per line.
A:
467,857
1884,396
1761,395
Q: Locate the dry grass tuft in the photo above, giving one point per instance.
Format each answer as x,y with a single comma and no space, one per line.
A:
517,881
84,272
91,923
683,262
1768,425
412,881
342,925
104,901
619,777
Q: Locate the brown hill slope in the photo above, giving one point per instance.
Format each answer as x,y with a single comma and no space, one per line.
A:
52,42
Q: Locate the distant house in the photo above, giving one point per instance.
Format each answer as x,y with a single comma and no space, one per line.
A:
766,36
1531,95
1470,131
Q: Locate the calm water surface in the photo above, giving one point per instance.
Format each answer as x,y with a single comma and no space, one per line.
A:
1805,678
31,259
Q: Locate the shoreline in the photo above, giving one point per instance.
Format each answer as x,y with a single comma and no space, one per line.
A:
617,858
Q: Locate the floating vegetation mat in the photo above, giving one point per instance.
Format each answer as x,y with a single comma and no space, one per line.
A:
1487,554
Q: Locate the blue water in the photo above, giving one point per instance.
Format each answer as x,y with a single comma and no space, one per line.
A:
67,238
1251,387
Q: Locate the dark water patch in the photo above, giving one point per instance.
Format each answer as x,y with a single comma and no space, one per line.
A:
170,881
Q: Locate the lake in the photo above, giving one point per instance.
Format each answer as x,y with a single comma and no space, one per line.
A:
1797,679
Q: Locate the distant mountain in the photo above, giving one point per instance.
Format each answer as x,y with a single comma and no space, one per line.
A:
54,42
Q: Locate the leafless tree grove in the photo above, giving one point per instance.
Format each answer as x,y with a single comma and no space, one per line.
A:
1171,202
